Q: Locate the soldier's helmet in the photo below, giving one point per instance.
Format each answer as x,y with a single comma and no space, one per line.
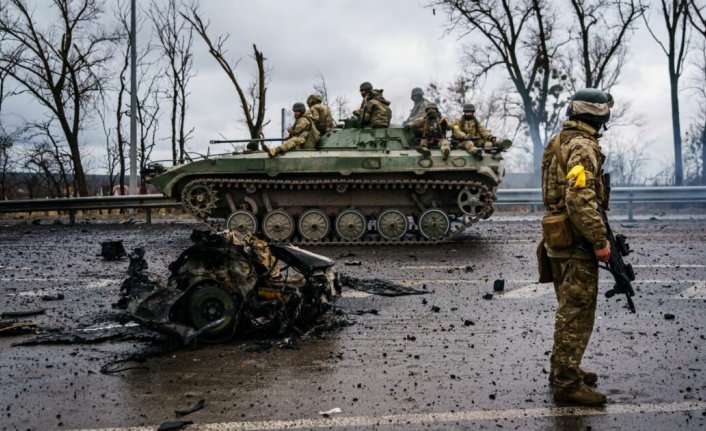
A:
366,86
417,92
469,107
299,107
433,106
591,105
313,100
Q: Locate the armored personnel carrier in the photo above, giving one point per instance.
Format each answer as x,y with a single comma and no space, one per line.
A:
360,186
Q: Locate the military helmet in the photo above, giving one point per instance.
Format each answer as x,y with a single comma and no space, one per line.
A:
417,92
431,105
366,86
313,99
591,105
299,107
469,107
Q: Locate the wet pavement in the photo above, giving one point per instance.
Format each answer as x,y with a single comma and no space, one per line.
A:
450,359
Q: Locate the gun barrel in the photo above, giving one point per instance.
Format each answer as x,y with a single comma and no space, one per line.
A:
238,141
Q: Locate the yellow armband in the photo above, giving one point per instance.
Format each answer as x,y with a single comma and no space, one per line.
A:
579,173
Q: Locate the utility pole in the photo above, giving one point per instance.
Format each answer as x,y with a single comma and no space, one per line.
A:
133,102
283,123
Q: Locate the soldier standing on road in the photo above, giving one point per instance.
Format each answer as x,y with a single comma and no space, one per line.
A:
432,128
574,240
374,110
420,106
471,134
302,134
320,113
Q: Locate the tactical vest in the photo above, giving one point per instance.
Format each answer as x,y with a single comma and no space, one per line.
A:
554,170
434,129
462,125
312,136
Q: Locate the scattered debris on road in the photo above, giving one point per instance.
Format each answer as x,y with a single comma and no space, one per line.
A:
378,287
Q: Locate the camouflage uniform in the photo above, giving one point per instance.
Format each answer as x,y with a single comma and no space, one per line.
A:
374,110
320,113
432,132
574,268
472,136
418,111
302,134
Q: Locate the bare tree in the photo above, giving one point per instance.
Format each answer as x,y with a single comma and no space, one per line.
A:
320,88
603,29
624,161
676,22
252,98
47,158
63,67
341,106
112,157
175,39
147,121
696,134
519,38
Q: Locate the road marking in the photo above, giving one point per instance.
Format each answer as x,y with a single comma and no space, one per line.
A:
405,420
528,291
697,291
675,266
352,293
463,267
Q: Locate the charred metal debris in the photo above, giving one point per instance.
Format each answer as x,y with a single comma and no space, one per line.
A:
225,284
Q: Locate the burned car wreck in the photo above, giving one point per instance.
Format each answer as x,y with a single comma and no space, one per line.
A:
225,283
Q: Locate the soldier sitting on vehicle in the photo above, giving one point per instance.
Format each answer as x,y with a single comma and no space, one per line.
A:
432,129
471,134
374,110
420,106
303,134
320,113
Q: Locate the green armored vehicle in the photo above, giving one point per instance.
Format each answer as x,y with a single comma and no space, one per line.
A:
362,185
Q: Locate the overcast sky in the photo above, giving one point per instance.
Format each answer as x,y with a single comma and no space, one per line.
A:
395,44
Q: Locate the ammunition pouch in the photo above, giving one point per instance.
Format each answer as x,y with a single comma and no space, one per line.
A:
556,230
544,265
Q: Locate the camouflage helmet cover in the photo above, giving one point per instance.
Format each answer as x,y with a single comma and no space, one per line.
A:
313,99
469,107
299,107
416,91
366,86
432,105
591,105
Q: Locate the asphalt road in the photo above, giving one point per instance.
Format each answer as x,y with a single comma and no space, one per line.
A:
446,360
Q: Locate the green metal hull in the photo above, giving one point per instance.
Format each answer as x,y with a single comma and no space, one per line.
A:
363,173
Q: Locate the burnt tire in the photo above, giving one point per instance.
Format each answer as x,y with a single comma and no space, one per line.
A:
209,302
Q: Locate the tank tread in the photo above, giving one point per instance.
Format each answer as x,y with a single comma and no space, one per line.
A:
221,183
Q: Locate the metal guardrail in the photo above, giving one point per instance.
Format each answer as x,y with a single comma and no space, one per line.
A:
71,205
619,195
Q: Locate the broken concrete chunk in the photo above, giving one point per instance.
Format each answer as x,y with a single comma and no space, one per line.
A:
113,250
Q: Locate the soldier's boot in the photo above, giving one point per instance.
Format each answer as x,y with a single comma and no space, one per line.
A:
445,151
582,396
270,151
424,151
476,152
588,377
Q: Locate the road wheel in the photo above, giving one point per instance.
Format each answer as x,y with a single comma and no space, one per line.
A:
392,224
314,225
434,224
209,302
278,225
350,225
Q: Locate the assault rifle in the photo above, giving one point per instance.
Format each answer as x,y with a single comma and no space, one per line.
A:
622,272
